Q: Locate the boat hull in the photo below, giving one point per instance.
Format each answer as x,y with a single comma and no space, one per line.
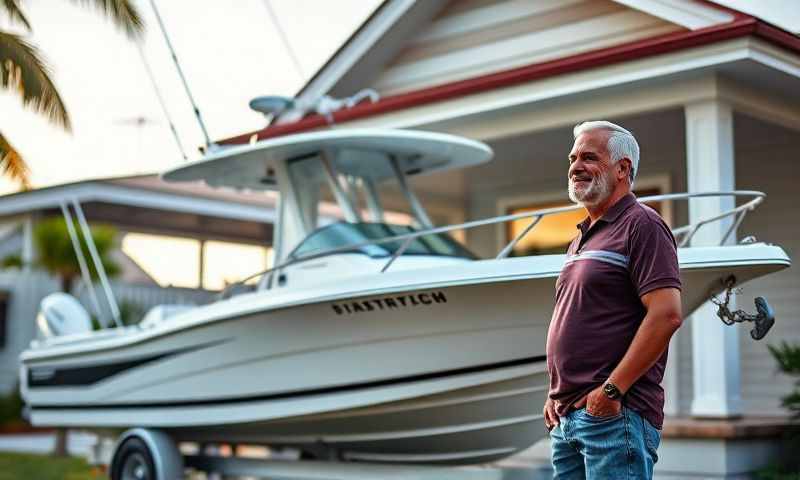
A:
482,423
437,366
430,376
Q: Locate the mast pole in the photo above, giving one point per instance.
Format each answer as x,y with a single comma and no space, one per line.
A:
180,73
161,101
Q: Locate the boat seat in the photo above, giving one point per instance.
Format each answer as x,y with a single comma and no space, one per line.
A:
62,314
159,313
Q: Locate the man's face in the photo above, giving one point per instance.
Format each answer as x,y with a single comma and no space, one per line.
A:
590,176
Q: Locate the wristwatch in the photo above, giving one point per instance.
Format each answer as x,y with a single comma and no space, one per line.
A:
612,391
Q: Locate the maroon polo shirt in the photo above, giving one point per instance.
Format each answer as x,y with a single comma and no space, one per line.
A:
627,253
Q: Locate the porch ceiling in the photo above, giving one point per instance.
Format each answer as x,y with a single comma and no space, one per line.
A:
181,224
535,163
540,158
148,205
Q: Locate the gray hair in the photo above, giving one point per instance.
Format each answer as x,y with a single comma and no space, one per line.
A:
621,143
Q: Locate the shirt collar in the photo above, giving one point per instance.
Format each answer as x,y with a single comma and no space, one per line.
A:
612,214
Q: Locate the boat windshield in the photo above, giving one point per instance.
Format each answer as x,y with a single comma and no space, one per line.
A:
342,234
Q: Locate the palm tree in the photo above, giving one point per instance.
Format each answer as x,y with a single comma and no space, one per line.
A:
56,255
24,72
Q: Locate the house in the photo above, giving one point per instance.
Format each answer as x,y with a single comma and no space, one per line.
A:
139,204
711,93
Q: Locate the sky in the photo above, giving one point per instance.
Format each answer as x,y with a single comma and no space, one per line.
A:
230,52
783,13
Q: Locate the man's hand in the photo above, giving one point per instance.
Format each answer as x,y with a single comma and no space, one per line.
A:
599,405
550,415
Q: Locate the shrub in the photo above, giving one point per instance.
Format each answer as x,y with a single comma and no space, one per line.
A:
788,358
11,408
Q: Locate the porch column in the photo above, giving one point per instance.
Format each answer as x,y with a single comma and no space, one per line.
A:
715,347
201,265
28,249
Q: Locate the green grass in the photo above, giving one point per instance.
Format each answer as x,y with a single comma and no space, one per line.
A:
773,473
20,466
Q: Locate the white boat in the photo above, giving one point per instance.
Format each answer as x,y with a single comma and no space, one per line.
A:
370,341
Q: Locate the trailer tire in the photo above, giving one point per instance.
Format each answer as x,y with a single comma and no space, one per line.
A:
133,461
146,454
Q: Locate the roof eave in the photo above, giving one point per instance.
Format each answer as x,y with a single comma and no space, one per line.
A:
742,26
32,201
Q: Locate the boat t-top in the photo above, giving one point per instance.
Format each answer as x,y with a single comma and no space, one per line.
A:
376,337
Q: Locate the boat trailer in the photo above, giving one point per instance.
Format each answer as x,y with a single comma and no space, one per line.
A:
148,454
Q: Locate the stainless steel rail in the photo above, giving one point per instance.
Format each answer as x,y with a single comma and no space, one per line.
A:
85,275
685,233
95,256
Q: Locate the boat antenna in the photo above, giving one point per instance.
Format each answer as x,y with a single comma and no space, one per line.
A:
284,38
161,101
183,78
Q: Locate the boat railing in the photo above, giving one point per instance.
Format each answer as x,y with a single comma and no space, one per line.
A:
683,234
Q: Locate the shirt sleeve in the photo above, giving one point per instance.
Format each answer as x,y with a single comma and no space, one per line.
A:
653,256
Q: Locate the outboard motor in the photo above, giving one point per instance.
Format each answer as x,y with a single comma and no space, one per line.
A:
62,314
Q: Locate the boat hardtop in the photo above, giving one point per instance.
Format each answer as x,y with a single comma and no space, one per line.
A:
357,152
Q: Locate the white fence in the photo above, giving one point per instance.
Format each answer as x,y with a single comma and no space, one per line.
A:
135,300
25,290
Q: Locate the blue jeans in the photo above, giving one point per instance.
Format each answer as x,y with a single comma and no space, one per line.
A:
604,448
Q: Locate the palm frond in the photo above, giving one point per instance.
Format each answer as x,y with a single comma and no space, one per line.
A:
15,12
12,164
122,12
23,71
55,252
788,357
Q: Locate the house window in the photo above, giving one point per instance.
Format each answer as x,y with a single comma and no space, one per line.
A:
4,297
554,232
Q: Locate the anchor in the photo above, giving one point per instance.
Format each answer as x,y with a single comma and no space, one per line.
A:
764,319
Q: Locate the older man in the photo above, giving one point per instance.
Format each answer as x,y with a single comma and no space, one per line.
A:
617,305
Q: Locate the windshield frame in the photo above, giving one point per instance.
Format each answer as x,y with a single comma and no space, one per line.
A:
386,249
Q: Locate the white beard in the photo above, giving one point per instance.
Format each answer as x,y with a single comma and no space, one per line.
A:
598,191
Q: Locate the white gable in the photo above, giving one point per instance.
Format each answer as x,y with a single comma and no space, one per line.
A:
692,15
471,38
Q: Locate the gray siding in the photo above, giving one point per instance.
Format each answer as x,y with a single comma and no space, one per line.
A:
25,290
766,160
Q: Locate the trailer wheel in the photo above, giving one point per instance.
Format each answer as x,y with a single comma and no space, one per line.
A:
133,461
145,454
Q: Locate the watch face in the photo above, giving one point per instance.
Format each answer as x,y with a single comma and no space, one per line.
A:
611,391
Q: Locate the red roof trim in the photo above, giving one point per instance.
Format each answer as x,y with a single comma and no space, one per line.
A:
778,36
742,26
